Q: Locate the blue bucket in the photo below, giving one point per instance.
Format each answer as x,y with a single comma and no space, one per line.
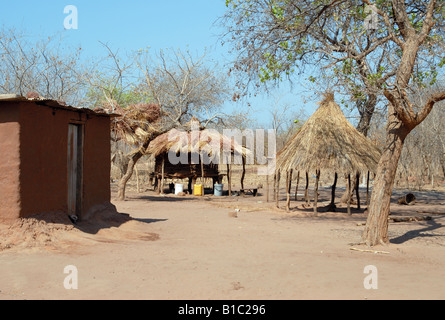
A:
218,190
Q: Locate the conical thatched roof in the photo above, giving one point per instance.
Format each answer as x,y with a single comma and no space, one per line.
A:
328,141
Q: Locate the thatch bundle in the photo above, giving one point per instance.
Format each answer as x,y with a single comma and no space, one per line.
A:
134,123
328,141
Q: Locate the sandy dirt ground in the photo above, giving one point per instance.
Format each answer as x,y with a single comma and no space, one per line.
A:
172,247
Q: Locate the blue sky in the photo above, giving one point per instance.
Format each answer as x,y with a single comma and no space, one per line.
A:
130,25
135,24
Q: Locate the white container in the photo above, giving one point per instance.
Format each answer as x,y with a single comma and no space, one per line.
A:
179,187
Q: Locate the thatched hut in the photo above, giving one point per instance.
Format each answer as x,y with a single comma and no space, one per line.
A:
191,155
327,141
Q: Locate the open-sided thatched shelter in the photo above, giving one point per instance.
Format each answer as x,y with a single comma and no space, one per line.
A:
328,142
187,149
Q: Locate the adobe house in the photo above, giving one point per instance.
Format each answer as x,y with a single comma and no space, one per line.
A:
53,158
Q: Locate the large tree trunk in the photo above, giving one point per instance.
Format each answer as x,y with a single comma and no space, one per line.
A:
243,174
442,163
442,160
348,196
134,158
376,230
366,111
130,168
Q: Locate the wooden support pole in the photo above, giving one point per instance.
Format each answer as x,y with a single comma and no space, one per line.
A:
202,175
162,175
277,195
229,178
357,189
367,190
306,192
349,194
158,185
137,179
287,186
243,174
317,180
190,186
296,188
193,184
332,206
202,170
275,186
288,189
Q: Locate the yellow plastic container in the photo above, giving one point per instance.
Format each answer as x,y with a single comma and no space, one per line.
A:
197,190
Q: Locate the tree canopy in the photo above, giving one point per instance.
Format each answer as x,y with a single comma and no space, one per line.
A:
354,47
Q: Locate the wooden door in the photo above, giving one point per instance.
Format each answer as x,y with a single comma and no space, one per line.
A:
74,169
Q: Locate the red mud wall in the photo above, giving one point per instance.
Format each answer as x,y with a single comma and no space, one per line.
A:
43,157
9,163
44,169
97,163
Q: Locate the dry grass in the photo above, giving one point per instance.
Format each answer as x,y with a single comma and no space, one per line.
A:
210,142
135,123
329,141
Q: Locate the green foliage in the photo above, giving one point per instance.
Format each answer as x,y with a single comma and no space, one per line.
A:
101,94
281,36
272,69
425,78
312,79
278,12
234,3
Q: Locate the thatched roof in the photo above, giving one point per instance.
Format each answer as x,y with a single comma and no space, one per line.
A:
135,123
210,142
328,141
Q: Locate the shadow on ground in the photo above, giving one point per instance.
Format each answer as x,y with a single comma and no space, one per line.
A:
423,232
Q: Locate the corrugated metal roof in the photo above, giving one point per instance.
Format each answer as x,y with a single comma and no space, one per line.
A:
51,104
